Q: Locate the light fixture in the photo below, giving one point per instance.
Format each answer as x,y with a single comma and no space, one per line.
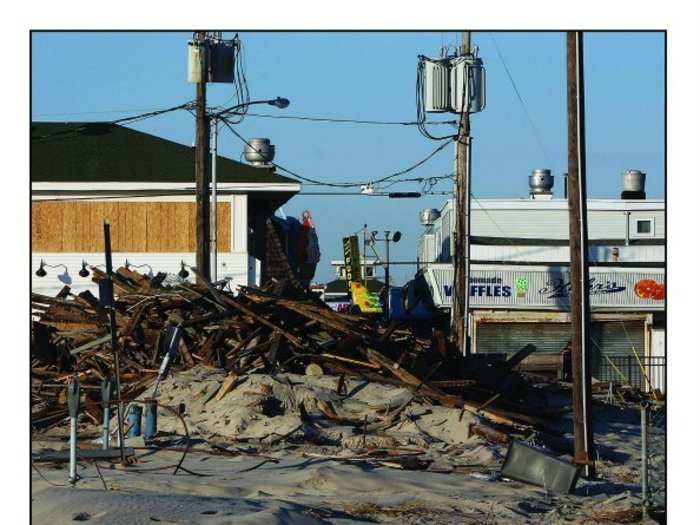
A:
128,266
84,271
280,102
41,272
183,273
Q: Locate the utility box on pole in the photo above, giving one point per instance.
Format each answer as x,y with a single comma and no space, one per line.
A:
467,84
211,61
449,84
436,83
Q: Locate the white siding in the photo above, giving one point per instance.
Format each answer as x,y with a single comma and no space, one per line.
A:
237,266
560,254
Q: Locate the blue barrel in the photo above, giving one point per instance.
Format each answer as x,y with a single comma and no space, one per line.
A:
150,420
133,421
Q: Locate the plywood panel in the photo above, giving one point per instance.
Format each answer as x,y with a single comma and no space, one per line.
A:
69,225
47,227
137,216
223,226
72,226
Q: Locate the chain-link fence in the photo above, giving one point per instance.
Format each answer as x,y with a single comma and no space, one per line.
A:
653,422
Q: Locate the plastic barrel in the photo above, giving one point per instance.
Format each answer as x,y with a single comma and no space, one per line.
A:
133,421
150,423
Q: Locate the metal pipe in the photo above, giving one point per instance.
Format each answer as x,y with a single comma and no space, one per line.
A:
114,344
106,391
73,476
73,401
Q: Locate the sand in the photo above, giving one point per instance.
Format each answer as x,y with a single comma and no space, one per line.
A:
278,483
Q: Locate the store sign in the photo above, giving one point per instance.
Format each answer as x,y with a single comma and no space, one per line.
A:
551,288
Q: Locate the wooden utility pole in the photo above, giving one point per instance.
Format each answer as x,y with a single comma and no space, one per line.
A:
202,177
460,287
578,246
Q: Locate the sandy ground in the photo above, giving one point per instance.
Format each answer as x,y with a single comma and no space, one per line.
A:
262,481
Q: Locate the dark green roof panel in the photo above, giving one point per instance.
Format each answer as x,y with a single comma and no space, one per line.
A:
105,152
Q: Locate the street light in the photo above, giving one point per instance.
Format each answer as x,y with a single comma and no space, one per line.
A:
278,102
394,238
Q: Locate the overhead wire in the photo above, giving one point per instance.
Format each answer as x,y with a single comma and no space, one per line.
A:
339,184
349,120
126,120
536,133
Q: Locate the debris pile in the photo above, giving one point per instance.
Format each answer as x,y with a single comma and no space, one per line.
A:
265,331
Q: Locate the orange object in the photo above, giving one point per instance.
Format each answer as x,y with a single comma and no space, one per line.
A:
650,289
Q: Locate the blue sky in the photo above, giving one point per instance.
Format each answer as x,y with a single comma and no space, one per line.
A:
82,76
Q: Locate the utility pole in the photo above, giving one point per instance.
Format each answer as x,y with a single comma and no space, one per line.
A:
578,246
202,173
460,288
214,249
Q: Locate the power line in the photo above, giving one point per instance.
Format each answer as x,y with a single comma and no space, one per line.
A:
105,111
126,120
349,120
341,184
520,98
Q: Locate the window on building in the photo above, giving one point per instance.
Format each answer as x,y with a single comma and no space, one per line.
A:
645,227
369,271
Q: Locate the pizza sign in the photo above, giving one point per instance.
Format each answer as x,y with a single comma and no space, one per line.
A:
650,289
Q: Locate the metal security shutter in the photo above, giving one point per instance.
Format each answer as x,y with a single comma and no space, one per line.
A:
549,338
613,352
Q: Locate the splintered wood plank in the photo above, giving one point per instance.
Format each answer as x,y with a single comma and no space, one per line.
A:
226,386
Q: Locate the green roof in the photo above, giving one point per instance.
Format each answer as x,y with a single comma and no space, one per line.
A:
106,152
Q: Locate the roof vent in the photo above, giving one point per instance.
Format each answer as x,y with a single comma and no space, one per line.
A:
633,185
428,216
541,184
259,152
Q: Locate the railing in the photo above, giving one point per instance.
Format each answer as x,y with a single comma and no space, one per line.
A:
644,372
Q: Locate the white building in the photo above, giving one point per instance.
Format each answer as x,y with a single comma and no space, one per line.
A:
519,277
83,173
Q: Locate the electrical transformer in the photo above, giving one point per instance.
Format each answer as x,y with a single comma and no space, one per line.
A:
211,61
436,85
452,84
467,84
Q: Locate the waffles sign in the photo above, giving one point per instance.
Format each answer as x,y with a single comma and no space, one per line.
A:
551,288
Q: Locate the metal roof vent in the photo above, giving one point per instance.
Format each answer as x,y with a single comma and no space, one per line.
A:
541,184
633,185
428,216
259,152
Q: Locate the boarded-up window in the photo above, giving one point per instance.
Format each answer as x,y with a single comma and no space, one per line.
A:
72,226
